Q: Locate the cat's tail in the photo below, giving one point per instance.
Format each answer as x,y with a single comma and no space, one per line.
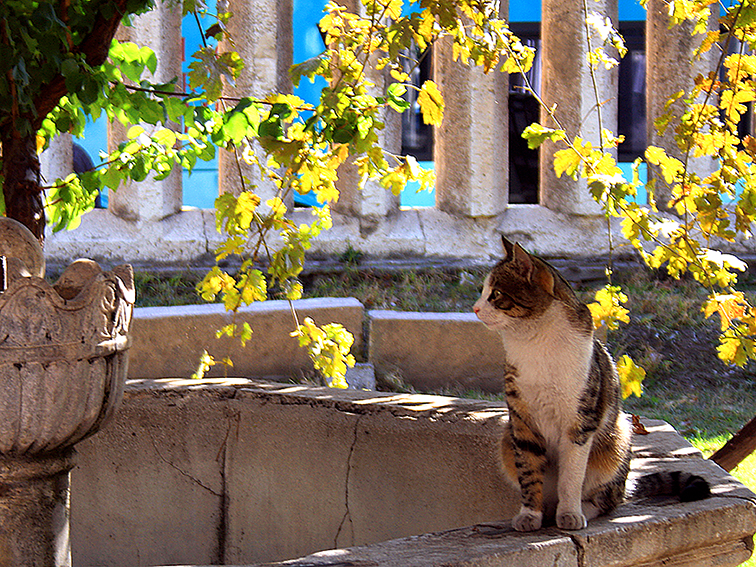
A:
688,487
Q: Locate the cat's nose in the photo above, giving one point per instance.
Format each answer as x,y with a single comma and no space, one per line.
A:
476,309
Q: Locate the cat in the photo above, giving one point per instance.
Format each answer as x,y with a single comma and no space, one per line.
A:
567,442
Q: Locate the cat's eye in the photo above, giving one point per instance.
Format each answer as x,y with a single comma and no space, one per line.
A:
495,295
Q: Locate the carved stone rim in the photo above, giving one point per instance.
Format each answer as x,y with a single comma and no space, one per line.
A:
22,469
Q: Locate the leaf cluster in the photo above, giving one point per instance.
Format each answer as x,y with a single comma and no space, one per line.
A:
691,210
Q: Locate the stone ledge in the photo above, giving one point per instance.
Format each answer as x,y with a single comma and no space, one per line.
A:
657,532
717,531
191,235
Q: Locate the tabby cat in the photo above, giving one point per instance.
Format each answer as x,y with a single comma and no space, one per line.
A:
567,443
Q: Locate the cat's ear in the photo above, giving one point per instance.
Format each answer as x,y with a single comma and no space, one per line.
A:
508,248
545,279
523,261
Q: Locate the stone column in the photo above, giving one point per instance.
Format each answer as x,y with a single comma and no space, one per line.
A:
57,160
566,82
670,68
34,504
160,30
262,34
471,146
373,202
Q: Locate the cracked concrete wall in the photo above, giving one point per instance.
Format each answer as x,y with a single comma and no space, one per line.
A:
237,471
150,489
245,472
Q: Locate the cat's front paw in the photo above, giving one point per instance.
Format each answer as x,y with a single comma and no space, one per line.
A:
527,521
571,521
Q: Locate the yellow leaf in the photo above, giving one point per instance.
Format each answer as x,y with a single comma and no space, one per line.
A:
246,204
655,154
631,377
730,307
731,350
566,161
431,103
277,207
400,76
394,8
425,29
607,309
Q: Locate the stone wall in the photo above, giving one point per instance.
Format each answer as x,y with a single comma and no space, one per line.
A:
233,471
146,223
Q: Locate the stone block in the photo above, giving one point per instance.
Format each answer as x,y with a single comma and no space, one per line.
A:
433,351
168,341
361,376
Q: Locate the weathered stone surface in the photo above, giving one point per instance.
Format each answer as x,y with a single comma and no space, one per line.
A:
264,472
168,341
34,529
433,351
75,277
62,361
471,144
17,241
361,376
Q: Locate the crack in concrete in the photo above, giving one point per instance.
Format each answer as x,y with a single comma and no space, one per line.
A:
183,472
580,549
223,459
347,511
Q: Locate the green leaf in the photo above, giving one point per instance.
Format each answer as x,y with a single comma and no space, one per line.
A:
308,68
210,68
396,99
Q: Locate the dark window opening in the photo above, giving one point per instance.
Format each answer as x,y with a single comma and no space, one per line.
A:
417,136
524,111
631,96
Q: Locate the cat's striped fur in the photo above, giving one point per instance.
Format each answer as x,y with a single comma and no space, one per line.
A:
567,444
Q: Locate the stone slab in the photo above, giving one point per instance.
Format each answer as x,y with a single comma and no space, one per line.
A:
434,351
361,376
168,341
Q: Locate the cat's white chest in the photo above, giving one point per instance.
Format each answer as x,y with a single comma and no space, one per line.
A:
552,362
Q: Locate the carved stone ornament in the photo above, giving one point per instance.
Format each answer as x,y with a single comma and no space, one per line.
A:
63,348
63,359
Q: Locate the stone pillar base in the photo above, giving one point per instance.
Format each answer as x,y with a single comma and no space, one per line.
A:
34,495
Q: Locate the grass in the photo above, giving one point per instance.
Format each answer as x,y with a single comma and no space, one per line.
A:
686,384
175,289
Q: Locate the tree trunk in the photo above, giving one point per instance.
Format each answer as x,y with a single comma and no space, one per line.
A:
21,185
742,444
